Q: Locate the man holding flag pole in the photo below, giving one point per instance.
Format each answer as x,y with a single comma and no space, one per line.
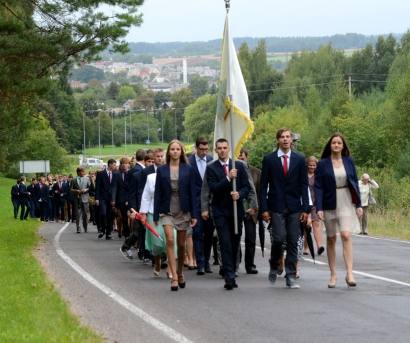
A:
228,182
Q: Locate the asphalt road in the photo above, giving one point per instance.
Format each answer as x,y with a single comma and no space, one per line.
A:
122,300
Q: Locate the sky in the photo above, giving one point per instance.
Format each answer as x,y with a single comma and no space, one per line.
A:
202,20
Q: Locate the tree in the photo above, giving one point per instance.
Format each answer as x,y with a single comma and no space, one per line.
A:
200,118
87,73
113,90
198,85
40,39
126,93
181,98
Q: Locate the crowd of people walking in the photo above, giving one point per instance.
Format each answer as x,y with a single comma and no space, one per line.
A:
174,209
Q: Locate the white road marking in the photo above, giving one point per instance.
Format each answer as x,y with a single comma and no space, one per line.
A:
163,328
357,272
382,239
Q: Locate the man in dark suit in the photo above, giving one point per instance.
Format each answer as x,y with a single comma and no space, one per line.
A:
204,229
103,195
284,200
33,198
15,199
42,198
135,193
219,176
60,192
120,194
251,214
24,196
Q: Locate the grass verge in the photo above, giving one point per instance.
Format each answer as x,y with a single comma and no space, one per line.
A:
31,309
392,224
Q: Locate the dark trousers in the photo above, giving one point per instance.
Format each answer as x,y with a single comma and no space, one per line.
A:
285,229
134,237
25,208
250,243
16,207
124,218
106,217
59,204
50,209
71,203
42,206
203,235
229,243
33,208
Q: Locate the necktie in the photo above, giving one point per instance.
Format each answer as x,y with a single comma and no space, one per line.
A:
226,169
285,164
123,177
202,166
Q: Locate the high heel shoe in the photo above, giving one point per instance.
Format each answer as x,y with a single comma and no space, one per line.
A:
350,283
173,286
331,285
181,281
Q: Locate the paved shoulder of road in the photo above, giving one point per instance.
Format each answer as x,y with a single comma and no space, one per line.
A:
124,302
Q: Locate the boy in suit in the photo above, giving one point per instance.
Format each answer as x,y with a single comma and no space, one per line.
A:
284,200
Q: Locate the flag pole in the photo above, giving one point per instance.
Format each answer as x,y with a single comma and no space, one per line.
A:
235,204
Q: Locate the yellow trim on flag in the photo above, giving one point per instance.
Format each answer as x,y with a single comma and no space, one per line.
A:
248,133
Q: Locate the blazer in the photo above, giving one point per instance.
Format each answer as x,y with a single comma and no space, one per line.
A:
42,193
143,179
162,195
220,188
103,187
280,193
60,193
325,184
197,179
15,191
120,188
134,185
23,192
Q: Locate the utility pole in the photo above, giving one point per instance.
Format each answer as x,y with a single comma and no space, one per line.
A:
130,125
83,136
112,128
350,87
125,133
99,133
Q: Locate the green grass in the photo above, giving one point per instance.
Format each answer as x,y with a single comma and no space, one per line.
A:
129,150
392,223
31,310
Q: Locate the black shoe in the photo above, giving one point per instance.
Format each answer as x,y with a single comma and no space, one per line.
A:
208,270
108,238
229,285
273,275
181,282
85,230
291,283
221,272
200,271
100,235
78,231
252,271
320,251
174,288
365,233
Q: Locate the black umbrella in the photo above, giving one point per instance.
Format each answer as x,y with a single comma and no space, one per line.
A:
307,230
262,235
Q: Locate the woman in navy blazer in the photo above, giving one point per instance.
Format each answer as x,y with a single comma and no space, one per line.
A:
174,204
338,202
